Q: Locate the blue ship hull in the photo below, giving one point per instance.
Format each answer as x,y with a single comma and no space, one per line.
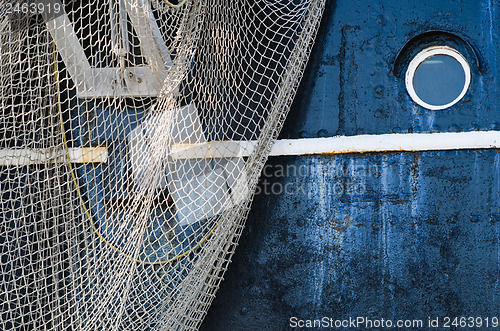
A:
400,235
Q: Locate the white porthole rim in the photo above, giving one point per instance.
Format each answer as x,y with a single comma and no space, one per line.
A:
424,55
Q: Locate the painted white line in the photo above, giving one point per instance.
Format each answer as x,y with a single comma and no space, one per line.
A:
409,142
22,157
396,142
406,142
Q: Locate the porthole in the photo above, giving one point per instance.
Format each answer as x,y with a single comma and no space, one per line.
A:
438,77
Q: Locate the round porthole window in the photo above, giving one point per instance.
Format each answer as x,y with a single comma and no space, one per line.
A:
438,77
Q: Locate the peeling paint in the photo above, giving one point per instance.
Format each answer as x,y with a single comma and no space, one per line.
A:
423,236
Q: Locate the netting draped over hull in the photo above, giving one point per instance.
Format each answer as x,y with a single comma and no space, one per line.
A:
132,136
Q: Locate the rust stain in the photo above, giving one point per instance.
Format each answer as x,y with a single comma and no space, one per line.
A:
348,151
93,155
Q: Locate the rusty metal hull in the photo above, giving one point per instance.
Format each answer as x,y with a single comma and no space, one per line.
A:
399,235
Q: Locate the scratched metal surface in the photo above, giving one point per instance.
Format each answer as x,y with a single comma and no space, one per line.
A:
395,235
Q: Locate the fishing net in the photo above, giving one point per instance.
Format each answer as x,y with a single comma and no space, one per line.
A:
132,136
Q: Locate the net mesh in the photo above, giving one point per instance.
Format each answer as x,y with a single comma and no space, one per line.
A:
132,137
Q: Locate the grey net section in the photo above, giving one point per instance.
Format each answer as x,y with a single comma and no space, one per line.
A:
132,137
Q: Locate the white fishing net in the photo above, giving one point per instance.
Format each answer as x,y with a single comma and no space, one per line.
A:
132,136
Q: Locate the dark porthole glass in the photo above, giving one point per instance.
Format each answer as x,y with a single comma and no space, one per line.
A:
437,78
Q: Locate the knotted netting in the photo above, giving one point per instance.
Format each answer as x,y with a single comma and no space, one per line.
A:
132,137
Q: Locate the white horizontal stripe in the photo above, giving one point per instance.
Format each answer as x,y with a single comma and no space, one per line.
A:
342,145
22,157
397,142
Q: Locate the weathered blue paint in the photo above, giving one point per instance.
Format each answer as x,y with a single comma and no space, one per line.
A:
395,235
350,88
